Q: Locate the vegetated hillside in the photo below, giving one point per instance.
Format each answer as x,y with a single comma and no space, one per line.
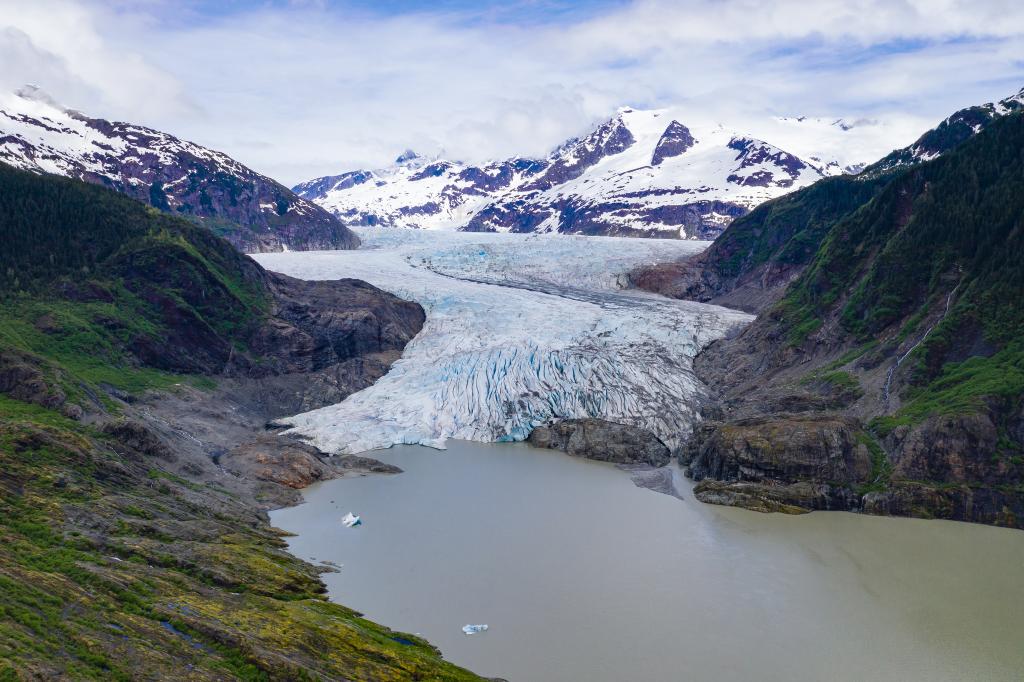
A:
889,377
131,546
751,263
252,211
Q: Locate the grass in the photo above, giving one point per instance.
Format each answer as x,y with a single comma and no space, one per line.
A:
88,340
962,388
881,468
70,610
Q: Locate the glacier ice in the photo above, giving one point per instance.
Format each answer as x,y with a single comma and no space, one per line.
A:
520,330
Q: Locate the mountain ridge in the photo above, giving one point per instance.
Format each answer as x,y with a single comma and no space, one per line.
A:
639,173
254,212
756,257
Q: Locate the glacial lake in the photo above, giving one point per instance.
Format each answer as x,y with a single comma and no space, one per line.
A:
583,576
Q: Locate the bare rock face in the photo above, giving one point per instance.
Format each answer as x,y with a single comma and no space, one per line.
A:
138,438
603,441
279,460
951,449
793,498
320,323
22,378
571,159
674,141
294,464
780,450
754,153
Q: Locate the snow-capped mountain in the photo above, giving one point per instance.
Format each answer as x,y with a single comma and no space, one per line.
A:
252,211
641,173
953,130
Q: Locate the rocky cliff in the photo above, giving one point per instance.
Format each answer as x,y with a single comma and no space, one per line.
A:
603,441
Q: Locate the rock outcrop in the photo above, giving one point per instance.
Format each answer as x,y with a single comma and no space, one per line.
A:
785,450
294,464
601,440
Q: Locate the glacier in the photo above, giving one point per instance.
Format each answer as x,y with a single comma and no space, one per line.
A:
521,330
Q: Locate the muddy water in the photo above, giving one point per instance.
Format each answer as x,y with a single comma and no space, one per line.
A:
583,576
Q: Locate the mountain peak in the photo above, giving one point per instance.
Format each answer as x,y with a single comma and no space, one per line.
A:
407,156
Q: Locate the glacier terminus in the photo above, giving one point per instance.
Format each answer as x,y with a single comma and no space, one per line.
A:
521,330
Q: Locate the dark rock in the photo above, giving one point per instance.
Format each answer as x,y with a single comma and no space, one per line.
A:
601,440
138,437
295,464
780,450
22,378
952,449
72,411
996,506
356,462
674,141
321,323
575,156
796,498
279,460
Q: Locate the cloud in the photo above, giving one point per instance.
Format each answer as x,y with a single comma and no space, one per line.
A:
66,46
306,88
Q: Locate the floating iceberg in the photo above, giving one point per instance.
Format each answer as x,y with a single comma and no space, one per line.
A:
349,520
473,629
537,331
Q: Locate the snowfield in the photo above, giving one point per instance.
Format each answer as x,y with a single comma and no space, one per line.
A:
521,330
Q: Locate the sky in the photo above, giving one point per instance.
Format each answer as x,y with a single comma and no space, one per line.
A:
303,88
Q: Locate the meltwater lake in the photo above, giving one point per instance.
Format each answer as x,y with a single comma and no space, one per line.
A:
583,576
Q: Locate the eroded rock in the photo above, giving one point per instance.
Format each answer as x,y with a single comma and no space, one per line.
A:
603,441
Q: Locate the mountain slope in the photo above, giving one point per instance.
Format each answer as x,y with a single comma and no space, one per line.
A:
750,264
252,211
889,377
133,540
950,133
641,173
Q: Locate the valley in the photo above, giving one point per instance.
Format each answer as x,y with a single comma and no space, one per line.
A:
690,345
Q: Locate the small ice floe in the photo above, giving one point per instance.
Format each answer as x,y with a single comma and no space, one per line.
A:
473,629
349,520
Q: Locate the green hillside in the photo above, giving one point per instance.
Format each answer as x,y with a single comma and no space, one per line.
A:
113,567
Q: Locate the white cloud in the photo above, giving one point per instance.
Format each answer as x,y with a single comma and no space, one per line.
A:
303,89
